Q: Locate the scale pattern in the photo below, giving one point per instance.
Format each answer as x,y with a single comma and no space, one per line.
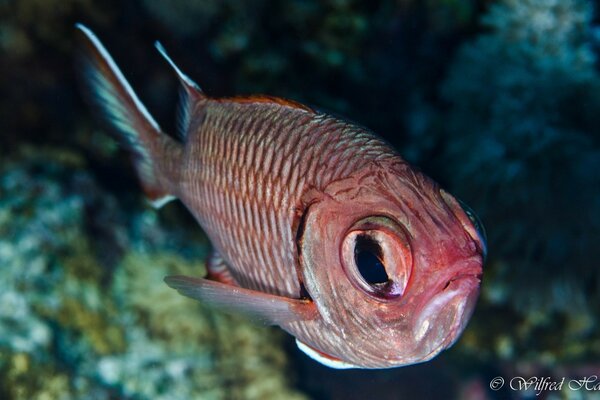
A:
246,168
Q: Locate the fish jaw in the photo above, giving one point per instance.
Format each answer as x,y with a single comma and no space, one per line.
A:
435,326
439,322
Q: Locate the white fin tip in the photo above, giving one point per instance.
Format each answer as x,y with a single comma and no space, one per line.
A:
158,203
117,72
183,77
328,362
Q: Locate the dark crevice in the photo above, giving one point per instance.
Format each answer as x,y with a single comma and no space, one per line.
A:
301,225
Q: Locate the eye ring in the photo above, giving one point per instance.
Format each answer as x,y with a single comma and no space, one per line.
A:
376,258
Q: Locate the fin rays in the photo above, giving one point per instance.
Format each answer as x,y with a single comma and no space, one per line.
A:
267,308
135,128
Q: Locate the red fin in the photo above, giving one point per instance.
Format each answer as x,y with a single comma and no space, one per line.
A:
267,308
218,269
268,99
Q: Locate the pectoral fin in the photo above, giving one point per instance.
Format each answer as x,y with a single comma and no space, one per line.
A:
266,308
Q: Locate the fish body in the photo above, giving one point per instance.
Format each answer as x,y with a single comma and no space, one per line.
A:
317,224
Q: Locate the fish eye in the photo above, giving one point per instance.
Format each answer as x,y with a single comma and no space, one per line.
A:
368,258
376,257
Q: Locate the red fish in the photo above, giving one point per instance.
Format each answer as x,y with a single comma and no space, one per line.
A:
317,224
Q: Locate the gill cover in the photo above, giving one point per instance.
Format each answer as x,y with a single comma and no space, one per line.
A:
354,254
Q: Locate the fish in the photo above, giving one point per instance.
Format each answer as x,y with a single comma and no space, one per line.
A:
317,224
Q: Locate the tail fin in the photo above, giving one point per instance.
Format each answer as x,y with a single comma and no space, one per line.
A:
136,129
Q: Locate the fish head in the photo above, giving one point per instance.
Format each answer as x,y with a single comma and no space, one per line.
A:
394,265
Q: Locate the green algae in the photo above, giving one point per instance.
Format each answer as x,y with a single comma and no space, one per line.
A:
22,380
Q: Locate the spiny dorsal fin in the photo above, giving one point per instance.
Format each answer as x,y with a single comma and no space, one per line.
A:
189,94
261,98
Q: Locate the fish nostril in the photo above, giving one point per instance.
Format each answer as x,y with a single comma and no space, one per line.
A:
447,284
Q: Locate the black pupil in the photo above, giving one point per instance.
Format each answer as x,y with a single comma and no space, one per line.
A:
367,256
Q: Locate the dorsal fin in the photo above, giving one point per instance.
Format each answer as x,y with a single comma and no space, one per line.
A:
188,95
261,98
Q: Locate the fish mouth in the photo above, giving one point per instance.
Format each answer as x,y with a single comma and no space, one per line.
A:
445,315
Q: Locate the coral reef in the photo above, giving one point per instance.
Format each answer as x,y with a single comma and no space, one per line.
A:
85,314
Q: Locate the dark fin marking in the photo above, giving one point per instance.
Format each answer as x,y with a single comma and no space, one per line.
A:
189,94
266,308
218,270
135,128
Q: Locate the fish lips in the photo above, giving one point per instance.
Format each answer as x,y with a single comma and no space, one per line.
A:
443,317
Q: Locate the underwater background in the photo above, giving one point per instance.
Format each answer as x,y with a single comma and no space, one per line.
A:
498,100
